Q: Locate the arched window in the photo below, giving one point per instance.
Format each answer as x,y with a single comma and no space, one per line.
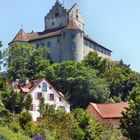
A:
44,87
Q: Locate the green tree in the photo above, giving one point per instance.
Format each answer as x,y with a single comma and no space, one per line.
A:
24,118
88,124
13,101
28,102
80,83
110,133
7,134
39,63
130,123
27,62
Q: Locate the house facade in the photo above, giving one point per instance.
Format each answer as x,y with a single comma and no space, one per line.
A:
107,114
43,88
64,35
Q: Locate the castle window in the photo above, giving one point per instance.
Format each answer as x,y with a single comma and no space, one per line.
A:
73,35
42,44
73,47
56,14
77,16
76,11
51,97
48,44
64,34
37,45
57,40
44,87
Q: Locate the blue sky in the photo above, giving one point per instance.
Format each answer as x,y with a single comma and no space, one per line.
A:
113,23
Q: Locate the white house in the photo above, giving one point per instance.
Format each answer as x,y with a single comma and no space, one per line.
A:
43,88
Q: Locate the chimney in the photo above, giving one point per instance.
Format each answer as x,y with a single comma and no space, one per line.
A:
27,82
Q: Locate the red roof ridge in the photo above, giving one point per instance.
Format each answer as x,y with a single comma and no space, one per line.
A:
72,25
21,36
110,110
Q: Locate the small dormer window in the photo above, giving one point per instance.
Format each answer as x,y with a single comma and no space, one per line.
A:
44,87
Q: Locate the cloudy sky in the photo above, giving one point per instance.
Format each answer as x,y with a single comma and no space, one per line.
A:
114,24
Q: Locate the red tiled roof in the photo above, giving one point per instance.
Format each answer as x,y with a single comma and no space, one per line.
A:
21,36
91,40
36,35
72,25
26,88
112,110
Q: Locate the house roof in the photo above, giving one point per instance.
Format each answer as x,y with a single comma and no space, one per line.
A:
31,85
112,110
21,36
91,40
72,25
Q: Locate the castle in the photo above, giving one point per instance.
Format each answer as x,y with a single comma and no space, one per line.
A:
63,35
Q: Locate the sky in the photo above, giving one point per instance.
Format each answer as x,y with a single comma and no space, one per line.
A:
115,24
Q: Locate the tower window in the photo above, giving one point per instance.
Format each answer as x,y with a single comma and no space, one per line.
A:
56,14
64,34
48,44
77,16
76,11
37,45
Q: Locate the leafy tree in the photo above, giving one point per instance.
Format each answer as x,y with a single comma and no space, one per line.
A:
18,59
42,107
28,102
39,63
13,101
110,133
24,118
7,134
88,124
130,123
80,83
24,61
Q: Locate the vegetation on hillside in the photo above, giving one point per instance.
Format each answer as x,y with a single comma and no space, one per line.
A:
92,80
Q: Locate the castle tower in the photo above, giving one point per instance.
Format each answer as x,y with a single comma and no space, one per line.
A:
74,13
72,42
57,17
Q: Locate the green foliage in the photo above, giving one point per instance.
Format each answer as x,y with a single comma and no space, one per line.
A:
7,134
24,118
42,108
130,123
111,133
91,128
28,102
24,61
19,58
80,83
13,101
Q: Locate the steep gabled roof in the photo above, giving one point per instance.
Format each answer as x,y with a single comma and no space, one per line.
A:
72,25
20,37
31,85
112,110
